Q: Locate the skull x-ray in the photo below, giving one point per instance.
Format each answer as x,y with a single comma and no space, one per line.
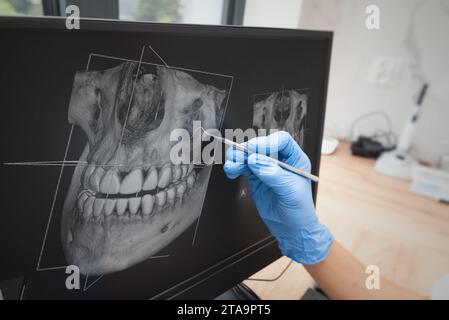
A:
282,110
126,200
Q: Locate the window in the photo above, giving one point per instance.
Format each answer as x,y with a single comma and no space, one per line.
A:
21,7
185,11
177,11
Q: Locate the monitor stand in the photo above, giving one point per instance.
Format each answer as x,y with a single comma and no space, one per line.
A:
11,289
239,292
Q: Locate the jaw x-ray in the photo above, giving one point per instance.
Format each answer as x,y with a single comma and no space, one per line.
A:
284,110
126,200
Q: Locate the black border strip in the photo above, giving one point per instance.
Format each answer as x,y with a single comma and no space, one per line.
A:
88,24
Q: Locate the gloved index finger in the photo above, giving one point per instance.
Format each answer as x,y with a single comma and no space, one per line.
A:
235,169
280,143
236,155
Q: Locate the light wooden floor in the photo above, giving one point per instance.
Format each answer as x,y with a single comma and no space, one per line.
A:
379,220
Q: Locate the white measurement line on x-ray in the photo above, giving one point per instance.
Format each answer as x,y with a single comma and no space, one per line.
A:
54,200
74,163
99,55
154,51
198,221
46,163
86,287
130,101
69,163
52,268
57,187
118,150
160,256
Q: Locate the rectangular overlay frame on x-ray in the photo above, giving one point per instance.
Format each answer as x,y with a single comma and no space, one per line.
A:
52,88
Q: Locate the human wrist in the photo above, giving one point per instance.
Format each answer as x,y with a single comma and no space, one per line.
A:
309,245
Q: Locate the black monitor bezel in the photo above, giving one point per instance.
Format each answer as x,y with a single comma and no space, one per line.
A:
265,251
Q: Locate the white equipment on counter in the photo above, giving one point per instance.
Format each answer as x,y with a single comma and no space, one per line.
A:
398,163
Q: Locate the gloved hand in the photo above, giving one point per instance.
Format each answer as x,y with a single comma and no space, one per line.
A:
283,199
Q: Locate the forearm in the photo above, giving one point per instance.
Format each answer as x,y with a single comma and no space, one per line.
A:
342,276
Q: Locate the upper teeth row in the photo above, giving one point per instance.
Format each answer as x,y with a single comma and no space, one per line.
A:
144,205
97,179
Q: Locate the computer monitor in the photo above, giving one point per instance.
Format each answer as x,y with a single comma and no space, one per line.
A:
87,185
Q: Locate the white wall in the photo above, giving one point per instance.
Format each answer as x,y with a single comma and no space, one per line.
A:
415,32
272,13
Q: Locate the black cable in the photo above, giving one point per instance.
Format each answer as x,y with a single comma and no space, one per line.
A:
388,135
243,292
275,278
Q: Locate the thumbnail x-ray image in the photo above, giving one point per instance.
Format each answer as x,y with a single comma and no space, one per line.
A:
126,200
282,110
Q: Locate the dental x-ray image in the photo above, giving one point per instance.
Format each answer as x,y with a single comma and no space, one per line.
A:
126,200
282,110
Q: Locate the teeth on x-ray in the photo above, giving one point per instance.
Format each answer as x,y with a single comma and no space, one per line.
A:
283,110
130,201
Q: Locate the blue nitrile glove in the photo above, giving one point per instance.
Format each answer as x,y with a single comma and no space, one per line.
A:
283,199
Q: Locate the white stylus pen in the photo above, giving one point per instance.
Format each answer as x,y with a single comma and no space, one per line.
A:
280,163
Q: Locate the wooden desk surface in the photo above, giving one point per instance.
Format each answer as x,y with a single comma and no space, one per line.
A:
380,220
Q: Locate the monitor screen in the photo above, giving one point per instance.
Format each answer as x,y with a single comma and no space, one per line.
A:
93,205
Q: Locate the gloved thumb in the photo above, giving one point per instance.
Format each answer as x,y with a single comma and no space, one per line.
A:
270,173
